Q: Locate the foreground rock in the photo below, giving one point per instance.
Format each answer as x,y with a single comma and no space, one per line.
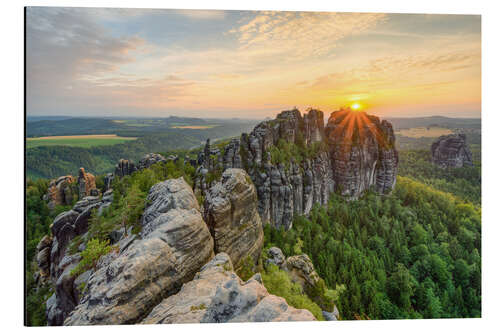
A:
175,244
353,153
217,295
232,217
451,151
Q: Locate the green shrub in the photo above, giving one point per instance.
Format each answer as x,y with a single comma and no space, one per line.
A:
247,269
277,282
94,250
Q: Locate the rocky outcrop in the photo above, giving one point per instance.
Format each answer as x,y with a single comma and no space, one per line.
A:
124,168
64,229
301,270
43,257
353,153
175,243
217,295
451,151
127,167
276,257
149,159
86,184
232,216
363,153
60,191
108,181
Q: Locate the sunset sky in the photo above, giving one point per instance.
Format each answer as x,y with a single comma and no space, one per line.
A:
139,62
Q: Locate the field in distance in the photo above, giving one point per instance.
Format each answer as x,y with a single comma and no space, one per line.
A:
83,141
424,132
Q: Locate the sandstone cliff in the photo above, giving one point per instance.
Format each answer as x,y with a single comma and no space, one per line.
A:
232,217
451,151
175,243
296,161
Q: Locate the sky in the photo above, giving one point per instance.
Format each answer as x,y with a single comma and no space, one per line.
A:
249,64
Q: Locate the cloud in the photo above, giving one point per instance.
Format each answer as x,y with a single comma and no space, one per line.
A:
302,34
64,47
93,60
201,14
386,71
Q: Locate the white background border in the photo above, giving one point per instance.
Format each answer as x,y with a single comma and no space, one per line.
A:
12,172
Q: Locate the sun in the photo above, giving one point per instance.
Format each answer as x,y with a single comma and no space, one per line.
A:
356,106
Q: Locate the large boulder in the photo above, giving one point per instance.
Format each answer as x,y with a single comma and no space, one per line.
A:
218,295
451,151
232,216
175,243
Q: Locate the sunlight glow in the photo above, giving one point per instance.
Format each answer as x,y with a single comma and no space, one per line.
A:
356,106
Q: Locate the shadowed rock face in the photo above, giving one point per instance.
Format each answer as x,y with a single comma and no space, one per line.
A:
451,151
356,153
175,243
232,217
55,260
217,295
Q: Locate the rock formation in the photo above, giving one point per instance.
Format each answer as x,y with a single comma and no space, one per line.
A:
149,159
232,217
217,295
165,274
60,191
64,229
276,257
124,168
451,151
108,181
175,243
301,270
363,152
43,257
353,153
127,167
86,183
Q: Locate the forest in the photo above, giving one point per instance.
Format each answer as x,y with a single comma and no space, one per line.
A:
412,254
415,253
